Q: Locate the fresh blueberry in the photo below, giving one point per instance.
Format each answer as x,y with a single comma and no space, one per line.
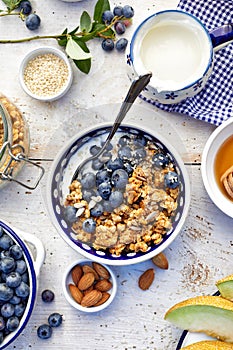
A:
129,168
25,7
70,213
1,231
160,160
117,11
47,295
15,300
107,16
107,44
128,11
13,279
140,141
121,44
97,210
114,164
171,180
140,153
119,27
19,309
116,199
44,331
97,164
119,179
124,152
7,264
4,254
7,310
94,150
55,319
102,176
105,190
87,195
22,290
12,323
109,147
88,181
89,225
5,241
25,277
107,206
2,323
21,266
16,251
32,21
124,140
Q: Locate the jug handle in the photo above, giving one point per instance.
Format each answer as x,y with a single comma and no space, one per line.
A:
221,36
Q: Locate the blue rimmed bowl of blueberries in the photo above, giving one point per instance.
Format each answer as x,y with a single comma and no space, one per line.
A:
18,280
126,206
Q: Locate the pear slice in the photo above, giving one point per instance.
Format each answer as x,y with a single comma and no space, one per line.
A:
212,315
209,345
225,287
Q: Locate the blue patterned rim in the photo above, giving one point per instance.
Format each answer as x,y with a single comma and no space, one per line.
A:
56,200
33,286
185,333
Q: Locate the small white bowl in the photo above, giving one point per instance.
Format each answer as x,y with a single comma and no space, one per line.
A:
67,279
215,141
40,52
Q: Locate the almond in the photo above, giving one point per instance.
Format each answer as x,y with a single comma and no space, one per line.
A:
103,285
86,281
91,298
88,289
146,279
87,268
105,297
161,261
76,294
101,270
76,274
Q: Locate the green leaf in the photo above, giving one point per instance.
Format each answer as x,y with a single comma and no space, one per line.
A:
85,22
100,7
62,41
74,50
83,65
74,31
11,4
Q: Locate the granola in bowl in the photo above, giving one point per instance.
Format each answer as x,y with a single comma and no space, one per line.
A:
126,207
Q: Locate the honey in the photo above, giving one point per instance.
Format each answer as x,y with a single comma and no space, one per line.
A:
223,161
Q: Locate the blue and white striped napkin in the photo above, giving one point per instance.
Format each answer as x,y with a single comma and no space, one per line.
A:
214,104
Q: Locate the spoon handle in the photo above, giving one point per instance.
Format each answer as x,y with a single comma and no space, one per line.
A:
136,87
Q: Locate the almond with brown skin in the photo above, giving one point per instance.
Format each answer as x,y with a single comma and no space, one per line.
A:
103,285
76,294
161,261
87,268
91,298
101,270
146,279
86,281
105,297
76,274
88,290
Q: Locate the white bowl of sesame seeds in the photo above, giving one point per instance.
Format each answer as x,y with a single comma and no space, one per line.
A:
46,74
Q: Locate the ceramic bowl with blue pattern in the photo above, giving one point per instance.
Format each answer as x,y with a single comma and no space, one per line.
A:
62,171
33,265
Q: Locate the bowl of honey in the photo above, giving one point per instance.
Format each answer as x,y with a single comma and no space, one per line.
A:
217,167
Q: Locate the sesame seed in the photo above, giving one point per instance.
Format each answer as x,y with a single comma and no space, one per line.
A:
46,75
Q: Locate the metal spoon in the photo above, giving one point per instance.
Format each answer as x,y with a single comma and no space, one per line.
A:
136,87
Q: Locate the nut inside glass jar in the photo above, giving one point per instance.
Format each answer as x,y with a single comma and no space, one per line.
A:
14,143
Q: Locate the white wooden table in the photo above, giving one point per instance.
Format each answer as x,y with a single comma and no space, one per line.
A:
200,255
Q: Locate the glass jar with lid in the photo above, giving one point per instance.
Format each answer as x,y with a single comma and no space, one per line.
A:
14,145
